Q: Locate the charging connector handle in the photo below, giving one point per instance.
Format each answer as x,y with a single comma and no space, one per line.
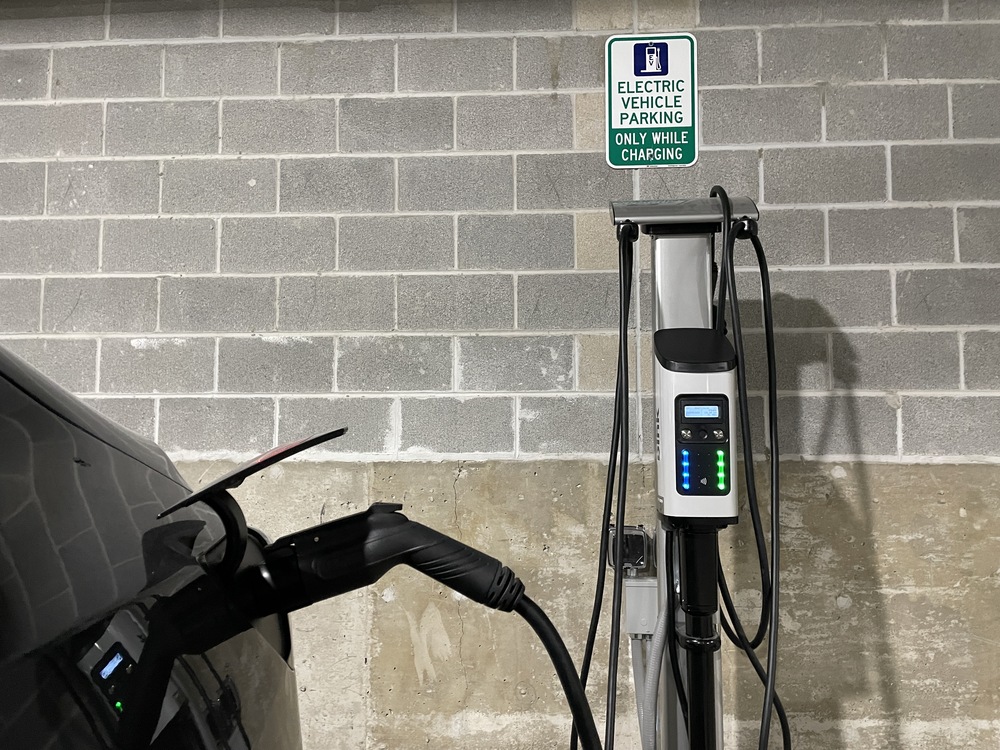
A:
355,551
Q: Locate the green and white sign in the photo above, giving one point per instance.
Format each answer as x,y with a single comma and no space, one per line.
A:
652,94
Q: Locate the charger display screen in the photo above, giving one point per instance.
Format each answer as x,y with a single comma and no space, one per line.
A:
701,411
110,667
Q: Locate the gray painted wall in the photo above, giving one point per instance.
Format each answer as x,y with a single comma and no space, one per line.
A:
229,224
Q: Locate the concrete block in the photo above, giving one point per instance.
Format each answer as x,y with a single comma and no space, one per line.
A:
560,62
979,234
136,414
341,184
773,115
882,10
459,183
974,115
45,21
869,113
895,235
843,174
515,363
394,363
927,51
727,57
972,10
736,170
142,19
982,352
573,424
791,237
22,189
380,243
836,425
292,243
571,301
217,186
520,241
570,181
157,365
732,12
99,72
443,64
596,246
267,18
244,304
159,245
276,364
135,128
50,130
70,362
22,302
965,296
118,187
598,362
895,361
598,15
948,426
819,298
369,422
24,74
945,172
657,15
453,425
279,127
332,67
803,361
99,305
396,17
241,425
398,124
221,69
838,53
334,304
39,246
589,116
516,15
456,303
514,122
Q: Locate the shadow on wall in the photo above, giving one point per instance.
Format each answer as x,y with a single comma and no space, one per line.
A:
836,667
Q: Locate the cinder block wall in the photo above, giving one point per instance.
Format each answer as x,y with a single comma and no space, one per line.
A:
230,224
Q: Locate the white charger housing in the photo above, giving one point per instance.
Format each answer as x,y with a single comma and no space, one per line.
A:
695,397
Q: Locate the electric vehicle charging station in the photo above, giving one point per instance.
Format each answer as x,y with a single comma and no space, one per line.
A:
700,407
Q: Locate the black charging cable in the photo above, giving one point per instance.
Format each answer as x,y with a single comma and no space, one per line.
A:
768,622
749,471
602,556
628,233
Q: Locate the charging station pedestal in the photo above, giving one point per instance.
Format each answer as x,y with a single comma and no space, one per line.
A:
696,480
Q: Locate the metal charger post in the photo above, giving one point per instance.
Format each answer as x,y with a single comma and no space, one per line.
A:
695,404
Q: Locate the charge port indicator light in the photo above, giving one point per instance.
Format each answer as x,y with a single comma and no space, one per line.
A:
686,469
720,464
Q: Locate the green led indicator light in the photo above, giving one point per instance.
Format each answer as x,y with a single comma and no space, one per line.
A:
721,464
118,706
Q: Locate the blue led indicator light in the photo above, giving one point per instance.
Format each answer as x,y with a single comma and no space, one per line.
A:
685,465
